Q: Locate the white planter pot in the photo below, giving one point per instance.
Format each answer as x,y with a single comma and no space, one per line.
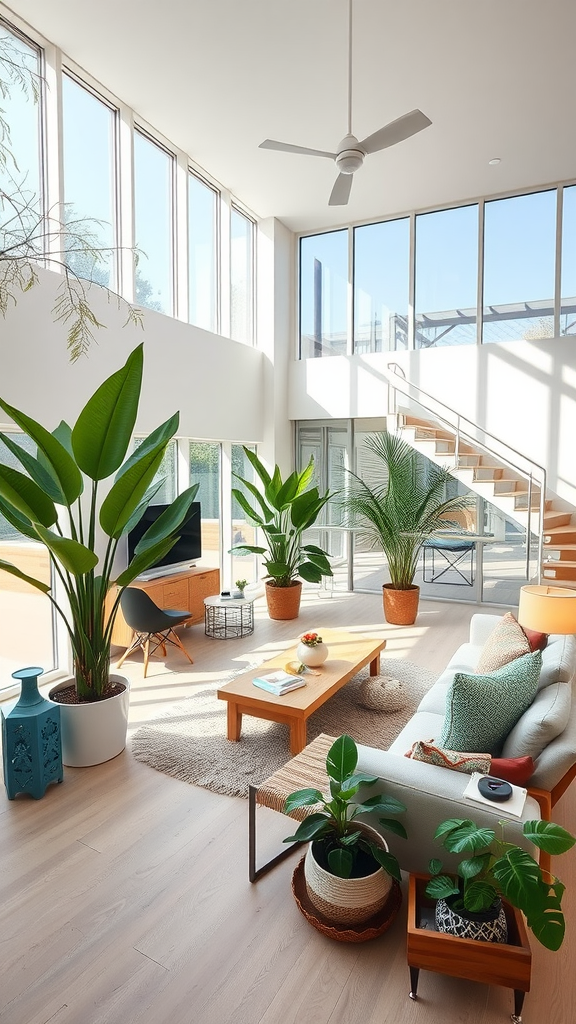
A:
347,900
95,732
312,656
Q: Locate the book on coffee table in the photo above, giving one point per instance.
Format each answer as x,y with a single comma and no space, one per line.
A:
279,682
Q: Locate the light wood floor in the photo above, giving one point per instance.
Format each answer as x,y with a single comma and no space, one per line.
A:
124,894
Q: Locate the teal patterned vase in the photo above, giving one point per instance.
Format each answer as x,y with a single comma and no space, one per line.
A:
31,739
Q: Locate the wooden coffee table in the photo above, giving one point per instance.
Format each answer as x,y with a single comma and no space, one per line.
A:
348,653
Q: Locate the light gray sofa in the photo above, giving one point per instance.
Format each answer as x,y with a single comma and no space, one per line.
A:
546,732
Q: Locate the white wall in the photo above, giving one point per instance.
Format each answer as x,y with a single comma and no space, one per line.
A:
523,392
217,384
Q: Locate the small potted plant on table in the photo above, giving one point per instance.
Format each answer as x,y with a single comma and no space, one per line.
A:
348,868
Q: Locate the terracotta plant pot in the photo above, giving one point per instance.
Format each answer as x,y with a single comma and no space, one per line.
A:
284,602
400,606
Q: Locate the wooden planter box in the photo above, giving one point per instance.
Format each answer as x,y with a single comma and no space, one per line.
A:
493,963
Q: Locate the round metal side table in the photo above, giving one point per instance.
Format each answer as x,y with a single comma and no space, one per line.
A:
228,618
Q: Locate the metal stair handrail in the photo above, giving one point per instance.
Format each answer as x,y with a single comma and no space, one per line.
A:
397,372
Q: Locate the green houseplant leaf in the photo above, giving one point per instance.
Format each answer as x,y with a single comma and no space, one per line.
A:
14,571
64,471
26,497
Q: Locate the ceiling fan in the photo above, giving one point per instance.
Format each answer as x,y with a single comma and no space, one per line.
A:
350,153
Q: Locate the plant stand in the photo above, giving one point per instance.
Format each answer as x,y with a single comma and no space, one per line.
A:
493,963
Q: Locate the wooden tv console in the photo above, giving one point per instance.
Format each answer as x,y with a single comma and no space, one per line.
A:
186,589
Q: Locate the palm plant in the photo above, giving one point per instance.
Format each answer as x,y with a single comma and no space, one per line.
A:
50,494
405,510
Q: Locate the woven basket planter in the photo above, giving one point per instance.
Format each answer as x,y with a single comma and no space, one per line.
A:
284,602
400,606
347,900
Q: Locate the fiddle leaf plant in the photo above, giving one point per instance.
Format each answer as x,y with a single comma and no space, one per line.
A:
56,501
334,828
497,869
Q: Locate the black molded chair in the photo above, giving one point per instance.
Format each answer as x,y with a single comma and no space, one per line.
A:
152,625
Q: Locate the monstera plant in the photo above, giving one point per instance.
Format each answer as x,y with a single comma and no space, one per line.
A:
55,499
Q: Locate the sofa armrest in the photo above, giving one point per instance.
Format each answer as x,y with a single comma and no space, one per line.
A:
481,626
431,794
557,758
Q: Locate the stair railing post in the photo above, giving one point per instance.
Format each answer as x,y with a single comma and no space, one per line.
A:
541,524
457,445
529,527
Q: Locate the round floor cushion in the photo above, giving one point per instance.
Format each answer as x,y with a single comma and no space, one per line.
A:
382,693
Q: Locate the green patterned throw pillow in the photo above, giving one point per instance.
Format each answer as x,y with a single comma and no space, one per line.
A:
482,709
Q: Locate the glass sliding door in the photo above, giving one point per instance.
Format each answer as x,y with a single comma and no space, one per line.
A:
205,462
329,445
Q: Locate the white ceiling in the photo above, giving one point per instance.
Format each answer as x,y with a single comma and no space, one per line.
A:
217,77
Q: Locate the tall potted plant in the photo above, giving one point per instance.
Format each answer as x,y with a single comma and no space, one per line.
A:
283,510
56,501
399,515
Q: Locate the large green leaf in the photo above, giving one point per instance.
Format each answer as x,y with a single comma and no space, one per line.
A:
391,825
449,825
267,512
164,433
388,861
312,827
479,895
18,521
472,866
519,877
342,758
127,492
340,862
310,572
75,557
105,426
143,505
246,507
170,521
140,563
15,571
26,496
441,887
64,470
468,837
549,837
305,509
302,798
382,804
257,465
35,469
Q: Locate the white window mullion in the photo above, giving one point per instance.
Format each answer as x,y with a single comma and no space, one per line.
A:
225,272
180,220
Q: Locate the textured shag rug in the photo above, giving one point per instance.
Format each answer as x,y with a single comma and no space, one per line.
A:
190,742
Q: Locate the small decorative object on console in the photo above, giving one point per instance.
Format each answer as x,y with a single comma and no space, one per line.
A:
311,650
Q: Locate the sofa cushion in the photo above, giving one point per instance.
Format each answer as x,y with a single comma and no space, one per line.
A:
516,770
506,642
482,709
545,719
536,640
422,725
558,660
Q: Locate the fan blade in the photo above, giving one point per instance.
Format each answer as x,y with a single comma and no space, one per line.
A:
286,147
341,192
398,130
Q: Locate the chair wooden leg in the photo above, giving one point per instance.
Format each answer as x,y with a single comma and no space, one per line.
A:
146,654
176,640
132,646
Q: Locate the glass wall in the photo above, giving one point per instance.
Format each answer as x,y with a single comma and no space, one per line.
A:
446,277
244,567
205,462
21,189
519,267
381,275
25,613
202,254
88,130
324,294
241,277
153,211
568,286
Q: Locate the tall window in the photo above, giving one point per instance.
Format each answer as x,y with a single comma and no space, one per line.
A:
153,213
381,279
202,254
21,192
205,471
241,277
323,294
89,182
519,267
446,277
21,604
166,475
568,288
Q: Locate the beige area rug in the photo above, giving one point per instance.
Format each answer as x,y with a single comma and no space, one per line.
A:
190,743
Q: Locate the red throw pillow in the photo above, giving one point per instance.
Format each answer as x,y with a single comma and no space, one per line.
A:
536,640
517,770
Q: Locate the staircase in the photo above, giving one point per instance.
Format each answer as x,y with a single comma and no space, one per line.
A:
508,490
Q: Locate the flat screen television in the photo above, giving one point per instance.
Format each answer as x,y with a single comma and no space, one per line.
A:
185,551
